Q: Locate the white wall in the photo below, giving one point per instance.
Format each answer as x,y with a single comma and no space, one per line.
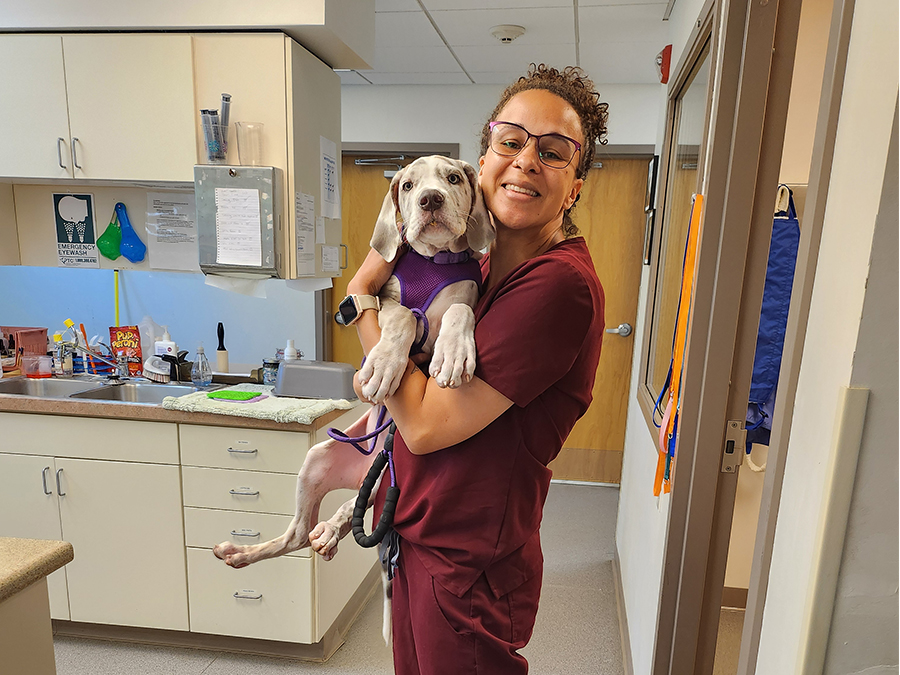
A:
642,518
456,114
858,169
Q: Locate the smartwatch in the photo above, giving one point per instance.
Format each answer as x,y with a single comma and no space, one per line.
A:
352,307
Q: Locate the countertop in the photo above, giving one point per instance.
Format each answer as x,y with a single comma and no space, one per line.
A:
151,413
24,561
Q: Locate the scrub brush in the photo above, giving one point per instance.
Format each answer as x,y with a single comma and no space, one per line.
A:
157,370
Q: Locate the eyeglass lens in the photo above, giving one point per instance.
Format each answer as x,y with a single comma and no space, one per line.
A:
553,150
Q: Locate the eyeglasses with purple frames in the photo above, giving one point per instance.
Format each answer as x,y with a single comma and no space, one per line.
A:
554,150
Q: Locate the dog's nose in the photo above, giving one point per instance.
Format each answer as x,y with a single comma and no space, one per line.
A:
431,200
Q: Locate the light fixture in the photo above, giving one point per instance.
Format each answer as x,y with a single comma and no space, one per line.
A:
507,33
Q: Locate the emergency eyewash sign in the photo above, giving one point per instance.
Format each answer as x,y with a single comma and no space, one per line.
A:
76,245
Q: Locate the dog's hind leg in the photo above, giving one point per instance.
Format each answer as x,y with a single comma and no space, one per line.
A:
328,466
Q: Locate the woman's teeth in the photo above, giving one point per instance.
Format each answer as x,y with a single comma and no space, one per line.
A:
524,191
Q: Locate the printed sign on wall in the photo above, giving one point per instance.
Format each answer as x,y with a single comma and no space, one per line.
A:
76,245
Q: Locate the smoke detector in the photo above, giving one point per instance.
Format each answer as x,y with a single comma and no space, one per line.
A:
507,33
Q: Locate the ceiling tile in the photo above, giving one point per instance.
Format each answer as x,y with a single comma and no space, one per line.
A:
418,78
397,6
405,29
414,59
498,77
351,77
621,62
433,5
623,23
542,26
514,58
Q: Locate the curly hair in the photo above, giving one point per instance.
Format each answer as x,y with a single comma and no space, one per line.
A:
573,86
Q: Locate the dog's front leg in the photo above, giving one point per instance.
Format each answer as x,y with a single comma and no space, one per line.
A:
384,367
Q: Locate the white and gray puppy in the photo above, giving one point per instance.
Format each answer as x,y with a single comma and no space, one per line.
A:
435,203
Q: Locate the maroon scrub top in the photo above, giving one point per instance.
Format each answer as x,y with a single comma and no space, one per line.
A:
476,507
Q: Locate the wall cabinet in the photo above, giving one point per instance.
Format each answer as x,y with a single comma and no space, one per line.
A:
104,107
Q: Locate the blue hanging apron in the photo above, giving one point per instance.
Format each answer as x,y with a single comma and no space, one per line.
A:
772,323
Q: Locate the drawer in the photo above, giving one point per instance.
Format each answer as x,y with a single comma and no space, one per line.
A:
250,449
89,438
274,597
204,528
239,490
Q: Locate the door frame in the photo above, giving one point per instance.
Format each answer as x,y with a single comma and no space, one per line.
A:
754,45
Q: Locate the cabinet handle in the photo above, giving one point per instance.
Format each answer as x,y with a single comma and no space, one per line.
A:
59,151
58,488
44,480
247,492
242,595
74,155
346,257
243,452
244,533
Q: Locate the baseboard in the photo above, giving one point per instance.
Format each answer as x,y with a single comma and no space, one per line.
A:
735,598
627,665
320,652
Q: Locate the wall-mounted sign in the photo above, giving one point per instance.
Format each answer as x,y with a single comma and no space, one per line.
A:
76,245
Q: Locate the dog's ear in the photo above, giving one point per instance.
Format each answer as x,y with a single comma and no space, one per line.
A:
479,228
386,238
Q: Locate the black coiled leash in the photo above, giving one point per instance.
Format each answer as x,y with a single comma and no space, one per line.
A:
384,458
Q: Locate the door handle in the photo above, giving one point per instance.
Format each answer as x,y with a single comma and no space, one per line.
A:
58,488
74,155
59,151
44,480
624,330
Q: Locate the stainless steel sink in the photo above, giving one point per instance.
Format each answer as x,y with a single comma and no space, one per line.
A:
139,392
47,387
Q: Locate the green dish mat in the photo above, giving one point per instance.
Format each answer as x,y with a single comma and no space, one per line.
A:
234,395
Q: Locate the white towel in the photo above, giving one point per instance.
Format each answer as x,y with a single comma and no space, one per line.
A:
279,409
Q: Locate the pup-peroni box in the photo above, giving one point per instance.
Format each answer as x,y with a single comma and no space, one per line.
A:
127,340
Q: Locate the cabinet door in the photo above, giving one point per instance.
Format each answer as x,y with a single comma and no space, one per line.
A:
27,511
124,520
131,106
34,142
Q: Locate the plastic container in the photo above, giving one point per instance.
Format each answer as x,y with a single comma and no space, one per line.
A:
37,366
249,143
201,373
150,332
166,345
32,340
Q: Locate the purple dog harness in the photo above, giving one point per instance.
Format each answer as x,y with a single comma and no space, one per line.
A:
421,279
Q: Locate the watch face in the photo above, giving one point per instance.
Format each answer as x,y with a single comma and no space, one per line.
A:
346,312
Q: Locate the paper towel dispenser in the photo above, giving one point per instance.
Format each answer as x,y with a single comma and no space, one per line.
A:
239,220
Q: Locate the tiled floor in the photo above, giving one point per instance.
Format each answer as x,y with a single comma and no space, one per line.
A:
576,632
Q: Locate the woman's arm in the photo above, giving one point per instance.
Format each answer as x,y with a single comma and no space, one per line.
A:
430,418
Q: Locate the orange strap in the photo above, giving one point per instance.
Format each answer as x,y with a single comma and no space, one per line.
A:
663,477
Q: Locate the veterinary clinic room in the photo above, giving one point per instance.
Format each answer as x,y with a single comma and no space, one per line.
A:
250,424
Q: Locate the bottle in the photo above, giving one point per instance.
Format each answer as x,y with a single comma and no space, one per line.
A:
150,332
166,346
201,373
62,358
290,352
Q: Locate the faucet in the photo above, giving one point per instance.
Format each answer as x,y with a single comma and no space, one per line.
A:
121,366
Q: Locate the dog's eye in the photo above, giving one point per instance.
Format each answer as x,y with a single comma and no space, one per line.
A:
453,178
407,186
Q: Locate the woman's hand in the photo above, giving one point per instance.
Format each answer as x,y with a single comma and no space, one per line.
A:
371,275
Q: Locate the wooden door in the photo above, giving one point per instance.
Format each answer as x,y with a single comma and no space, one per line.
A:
125,521
34,142
28,512
131,106
610,215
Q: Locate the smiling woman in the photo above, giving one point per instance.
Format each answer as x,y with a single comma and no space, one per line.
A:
471,462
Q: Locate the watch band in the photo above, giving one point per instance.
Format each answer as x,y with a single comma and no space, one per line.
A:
364,302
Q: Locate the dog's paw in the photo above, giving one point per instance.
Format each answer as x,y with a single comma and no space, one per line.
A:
381,374
453,361
231,554
324,540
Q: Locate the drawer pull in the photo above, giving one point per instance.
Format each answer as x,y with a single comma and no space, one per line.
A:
245,492
243,452
44,480
58,488
247,595
244,533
